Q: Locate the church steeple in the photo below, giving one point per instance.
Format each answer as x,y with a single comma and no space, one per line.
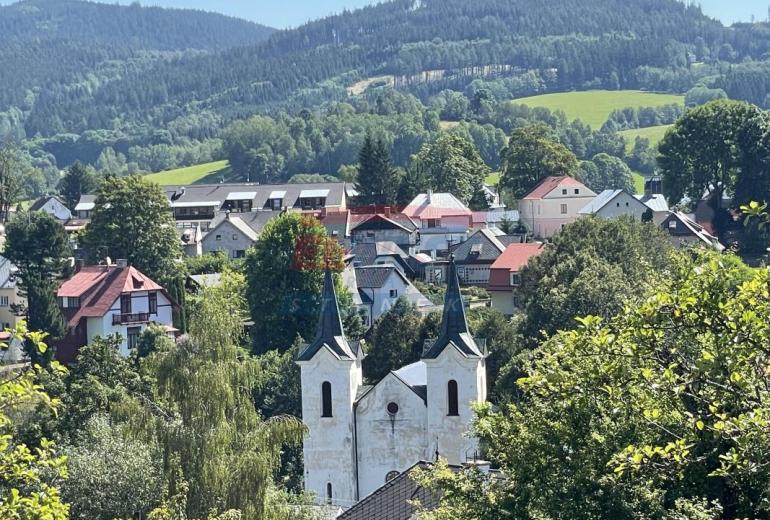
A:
454,325
329,332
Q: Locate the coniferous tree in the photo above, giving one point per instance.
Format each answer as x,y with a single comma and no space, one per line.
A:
378,180
79,180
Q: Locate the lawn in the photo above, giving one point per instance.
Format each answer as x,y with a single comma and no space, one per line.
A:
200,173
595,106
654,133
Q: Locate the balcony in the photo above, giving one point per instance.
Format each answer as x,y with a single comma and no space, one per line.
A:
123,319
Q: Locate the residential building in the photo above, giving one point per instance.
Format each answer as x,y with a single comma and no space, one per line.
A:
616,203
192,241
442,219
654,199
382,253
108,300
552,204
380,286
85,207
505,276
494,218
235,233
385,227
476,255
10,297
54,206
684,231
361,437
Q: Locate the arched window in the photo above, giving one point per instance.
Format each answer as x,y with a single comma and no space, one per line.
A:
328,492
452,398
326,400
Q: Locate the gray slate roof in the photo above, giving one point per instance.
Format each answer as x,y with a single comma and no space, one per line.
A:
656,202
391,501
251,223
367,254
7,274
39,203
488,243
373,276
209,193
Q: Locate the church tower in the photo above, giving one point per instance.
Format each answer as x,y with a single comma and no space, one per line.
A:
456,379
331,377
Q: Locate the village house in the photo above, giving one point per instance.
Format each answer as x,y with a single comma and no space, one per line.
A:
361,437
382,253
380,286
85,207
108,300
505,276
10,296
616,203
476,255
684,231
54,206
552,204
442,219
235,233
654,199
385,227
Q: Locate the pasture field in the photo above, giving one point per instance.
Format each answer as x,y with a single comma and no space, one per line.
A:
654,133
200,173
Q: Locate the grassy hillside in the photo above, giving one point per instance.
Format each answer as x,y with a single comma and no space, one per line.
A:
595,106
654,133
212,172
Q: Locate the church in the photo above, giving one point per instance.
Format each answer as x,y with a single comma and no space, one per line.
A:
362,436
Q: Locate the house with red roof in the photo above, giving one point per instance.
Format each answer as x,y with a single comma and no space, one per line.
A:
552,204
443,220
388,226
106,300
505,275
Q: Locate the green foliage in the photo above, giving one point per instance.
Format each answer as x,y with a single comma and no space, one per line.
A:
216,262
659,412
131,221
531,156
377,181
285,276
110,474
451,164
594,266
79,179
29,477
11,176
394,340
605,172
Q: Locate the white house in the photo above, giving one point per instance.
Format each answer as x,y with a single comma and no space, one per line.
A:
616,203
552,204
361,437
442,219
234,234
107,300
54,206
380,286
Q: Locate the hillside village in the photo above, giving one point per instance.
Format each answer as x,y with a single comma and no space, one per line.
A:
422,260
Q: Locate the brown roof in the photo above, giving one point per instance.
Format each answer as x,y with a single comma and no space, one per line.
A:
514,259
549,184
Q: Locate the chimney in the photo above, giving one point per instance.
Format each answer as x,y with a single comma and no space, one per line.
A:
387,211
121,263
227,214
430,196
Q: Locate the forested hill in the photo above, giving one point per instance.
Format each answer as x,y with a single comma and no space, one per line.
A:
125,27
584,42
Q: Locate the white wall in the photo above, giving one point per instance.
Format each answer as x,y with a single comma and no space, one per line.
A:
623,204
381,296
231,240
103,327
544,217
503,301
329,448
445,433
387,445
56,209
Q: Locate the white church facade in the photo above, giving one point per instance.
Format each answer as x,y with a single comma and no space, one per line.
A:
362,436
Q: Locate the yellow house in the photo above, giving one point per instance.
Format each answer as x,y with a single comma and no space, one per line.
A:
9,294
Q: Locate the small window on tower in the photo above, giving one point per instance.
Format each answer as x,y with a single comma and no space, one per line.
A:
453,401
326,398
328,492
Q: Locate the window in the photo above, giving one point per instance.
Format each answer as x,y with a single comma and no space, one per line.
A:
125,304
391,475
516,301
452,398
73,303
3,301
152,301
563,209
276,204
328,492
219,238
432,223
326,400
239,253
133,337
60,302
577,191
515,279
235,237
392,408
394,293
6,325
672,224
564,191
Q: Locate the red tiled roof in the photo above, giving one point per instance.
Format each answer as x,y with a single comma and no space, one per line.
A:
99,286
514,259
549,184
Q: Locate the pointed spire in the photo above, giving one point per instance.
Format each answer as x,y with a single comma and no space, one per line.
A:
454,326
329,332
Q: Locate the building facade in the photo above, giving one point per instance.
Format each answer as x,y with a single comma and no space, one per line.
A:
360,437
552,204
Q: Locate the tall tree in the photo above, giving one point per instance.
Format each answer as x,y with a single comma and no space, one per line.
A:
394,340
39,247
532,155
79,180
285,277
12,170
378,180
607,173
131,220
451,164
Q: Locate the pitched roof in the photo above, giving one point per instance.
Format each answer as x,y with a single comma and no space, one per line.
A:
549,184
239,224
329,333
99,286
436,205
454,326
7,274
605,198
86,203
694,229
250,223
39,203
484,246
393,500
259,194
656,202
373,276
336,223
381,220
513,260
367,253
